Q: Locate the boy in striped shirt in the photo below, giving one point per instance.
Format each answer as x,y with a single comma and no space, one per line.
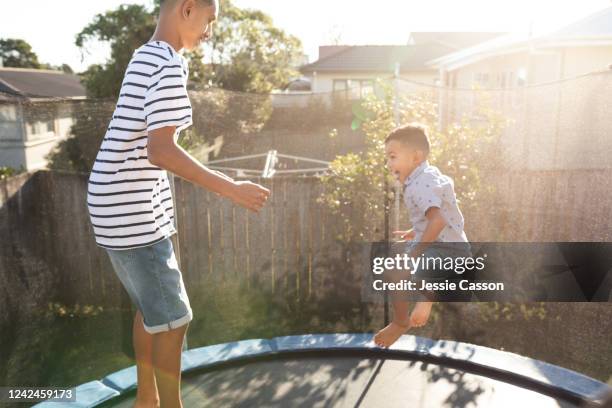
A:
130,201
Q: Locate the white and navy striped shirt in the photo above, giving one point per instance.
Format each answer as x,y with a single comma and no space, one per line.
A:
129,199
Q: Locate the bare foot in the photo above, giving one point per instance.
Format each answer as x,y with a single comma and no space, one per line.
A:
153,404
420,314
389,335
146,403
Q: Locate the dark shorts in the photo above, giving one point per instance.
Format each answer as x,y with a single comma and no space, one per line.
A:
152,279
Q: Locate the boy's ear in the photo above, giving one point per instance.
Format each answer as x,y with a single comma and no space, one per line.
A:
420,155
187,7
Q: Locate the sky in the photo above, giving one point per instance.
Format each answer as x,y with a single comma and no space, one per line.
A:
314,22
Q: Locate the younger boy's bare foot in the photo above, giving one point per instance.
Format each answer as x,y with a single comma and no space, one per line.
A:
389,335
420,314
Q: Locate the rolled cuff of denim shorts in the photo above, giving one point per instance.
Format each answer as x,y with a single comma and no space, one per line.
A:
171,325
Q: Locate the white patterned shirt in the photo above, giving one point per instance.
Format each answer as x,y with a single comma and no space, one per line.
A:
427,187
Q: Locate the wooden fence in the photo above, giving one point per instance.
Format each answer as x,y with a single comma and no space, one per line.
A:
48,250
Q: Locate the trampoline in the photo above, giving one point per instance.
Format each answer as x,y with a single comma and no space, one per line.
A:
348,370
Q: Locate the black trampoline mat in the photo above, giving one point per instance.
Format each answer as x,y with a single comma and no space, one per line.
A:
349,382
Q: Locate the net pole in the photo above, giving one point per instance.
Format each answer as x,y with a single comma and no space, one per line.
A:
387,246
396,187
396,119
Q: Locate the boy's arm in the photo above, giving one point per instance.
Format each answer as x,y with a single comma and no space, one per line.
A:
164,152
435,225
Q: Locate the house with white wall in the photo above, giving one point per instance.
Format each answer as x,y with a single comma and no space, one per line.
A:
523,59
35,114
353,68
550,87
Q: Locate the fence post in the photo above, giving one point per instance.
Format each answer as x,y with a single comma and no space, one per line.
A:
177,251
174,198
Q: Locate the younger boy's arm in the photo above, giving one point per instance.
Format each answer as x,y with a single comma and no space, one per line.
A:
164,152
435,225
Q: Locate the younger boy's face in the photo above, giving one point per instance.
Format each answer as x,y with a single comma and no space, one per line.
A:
198,21
402,159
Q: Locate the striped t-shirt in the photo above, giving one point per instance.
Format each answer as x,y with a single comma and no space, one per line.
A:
129,199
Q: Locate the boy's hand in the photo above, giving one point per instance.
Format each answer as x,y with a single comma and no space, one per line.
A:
249,195
406,235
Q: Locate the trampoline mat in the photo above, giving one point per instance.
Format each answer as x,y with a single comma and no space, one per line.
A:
349,382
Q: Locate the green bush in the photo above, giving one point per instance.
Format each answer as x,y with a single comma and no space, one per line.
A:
6,172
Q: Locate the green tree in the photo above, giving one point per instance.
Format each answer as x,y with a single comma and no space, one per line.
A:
125,29
67,69
77,153
18,53
199,72
250,54
247,53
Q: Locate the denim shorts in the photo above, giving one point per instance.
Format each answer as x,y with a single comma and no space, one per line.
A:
152,279
443,250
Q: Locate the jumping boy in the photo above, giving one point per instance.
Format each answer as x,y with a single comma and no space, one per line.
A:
130,201
430,197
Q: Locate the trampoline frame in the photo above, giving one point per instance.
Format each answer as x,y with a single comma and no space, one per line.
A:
544,378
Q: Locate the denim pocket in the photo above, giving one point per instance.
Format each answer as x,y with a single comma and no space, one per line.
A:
150,252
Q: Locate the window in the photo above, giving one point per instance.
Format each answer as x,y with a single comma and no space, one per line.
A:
453,80
40,121
39,129
340,85
481,79
367,87
506,80
354,88
521,77
10,125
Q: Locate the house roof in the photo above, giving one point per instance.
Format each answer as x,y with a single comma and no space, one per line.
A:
5,97
379,58
37,83
595,25
497,46
422,47
456,40
592,30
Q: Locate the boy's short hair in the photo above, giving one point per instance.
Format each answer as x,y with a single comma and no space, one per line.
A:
411,134
207,2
